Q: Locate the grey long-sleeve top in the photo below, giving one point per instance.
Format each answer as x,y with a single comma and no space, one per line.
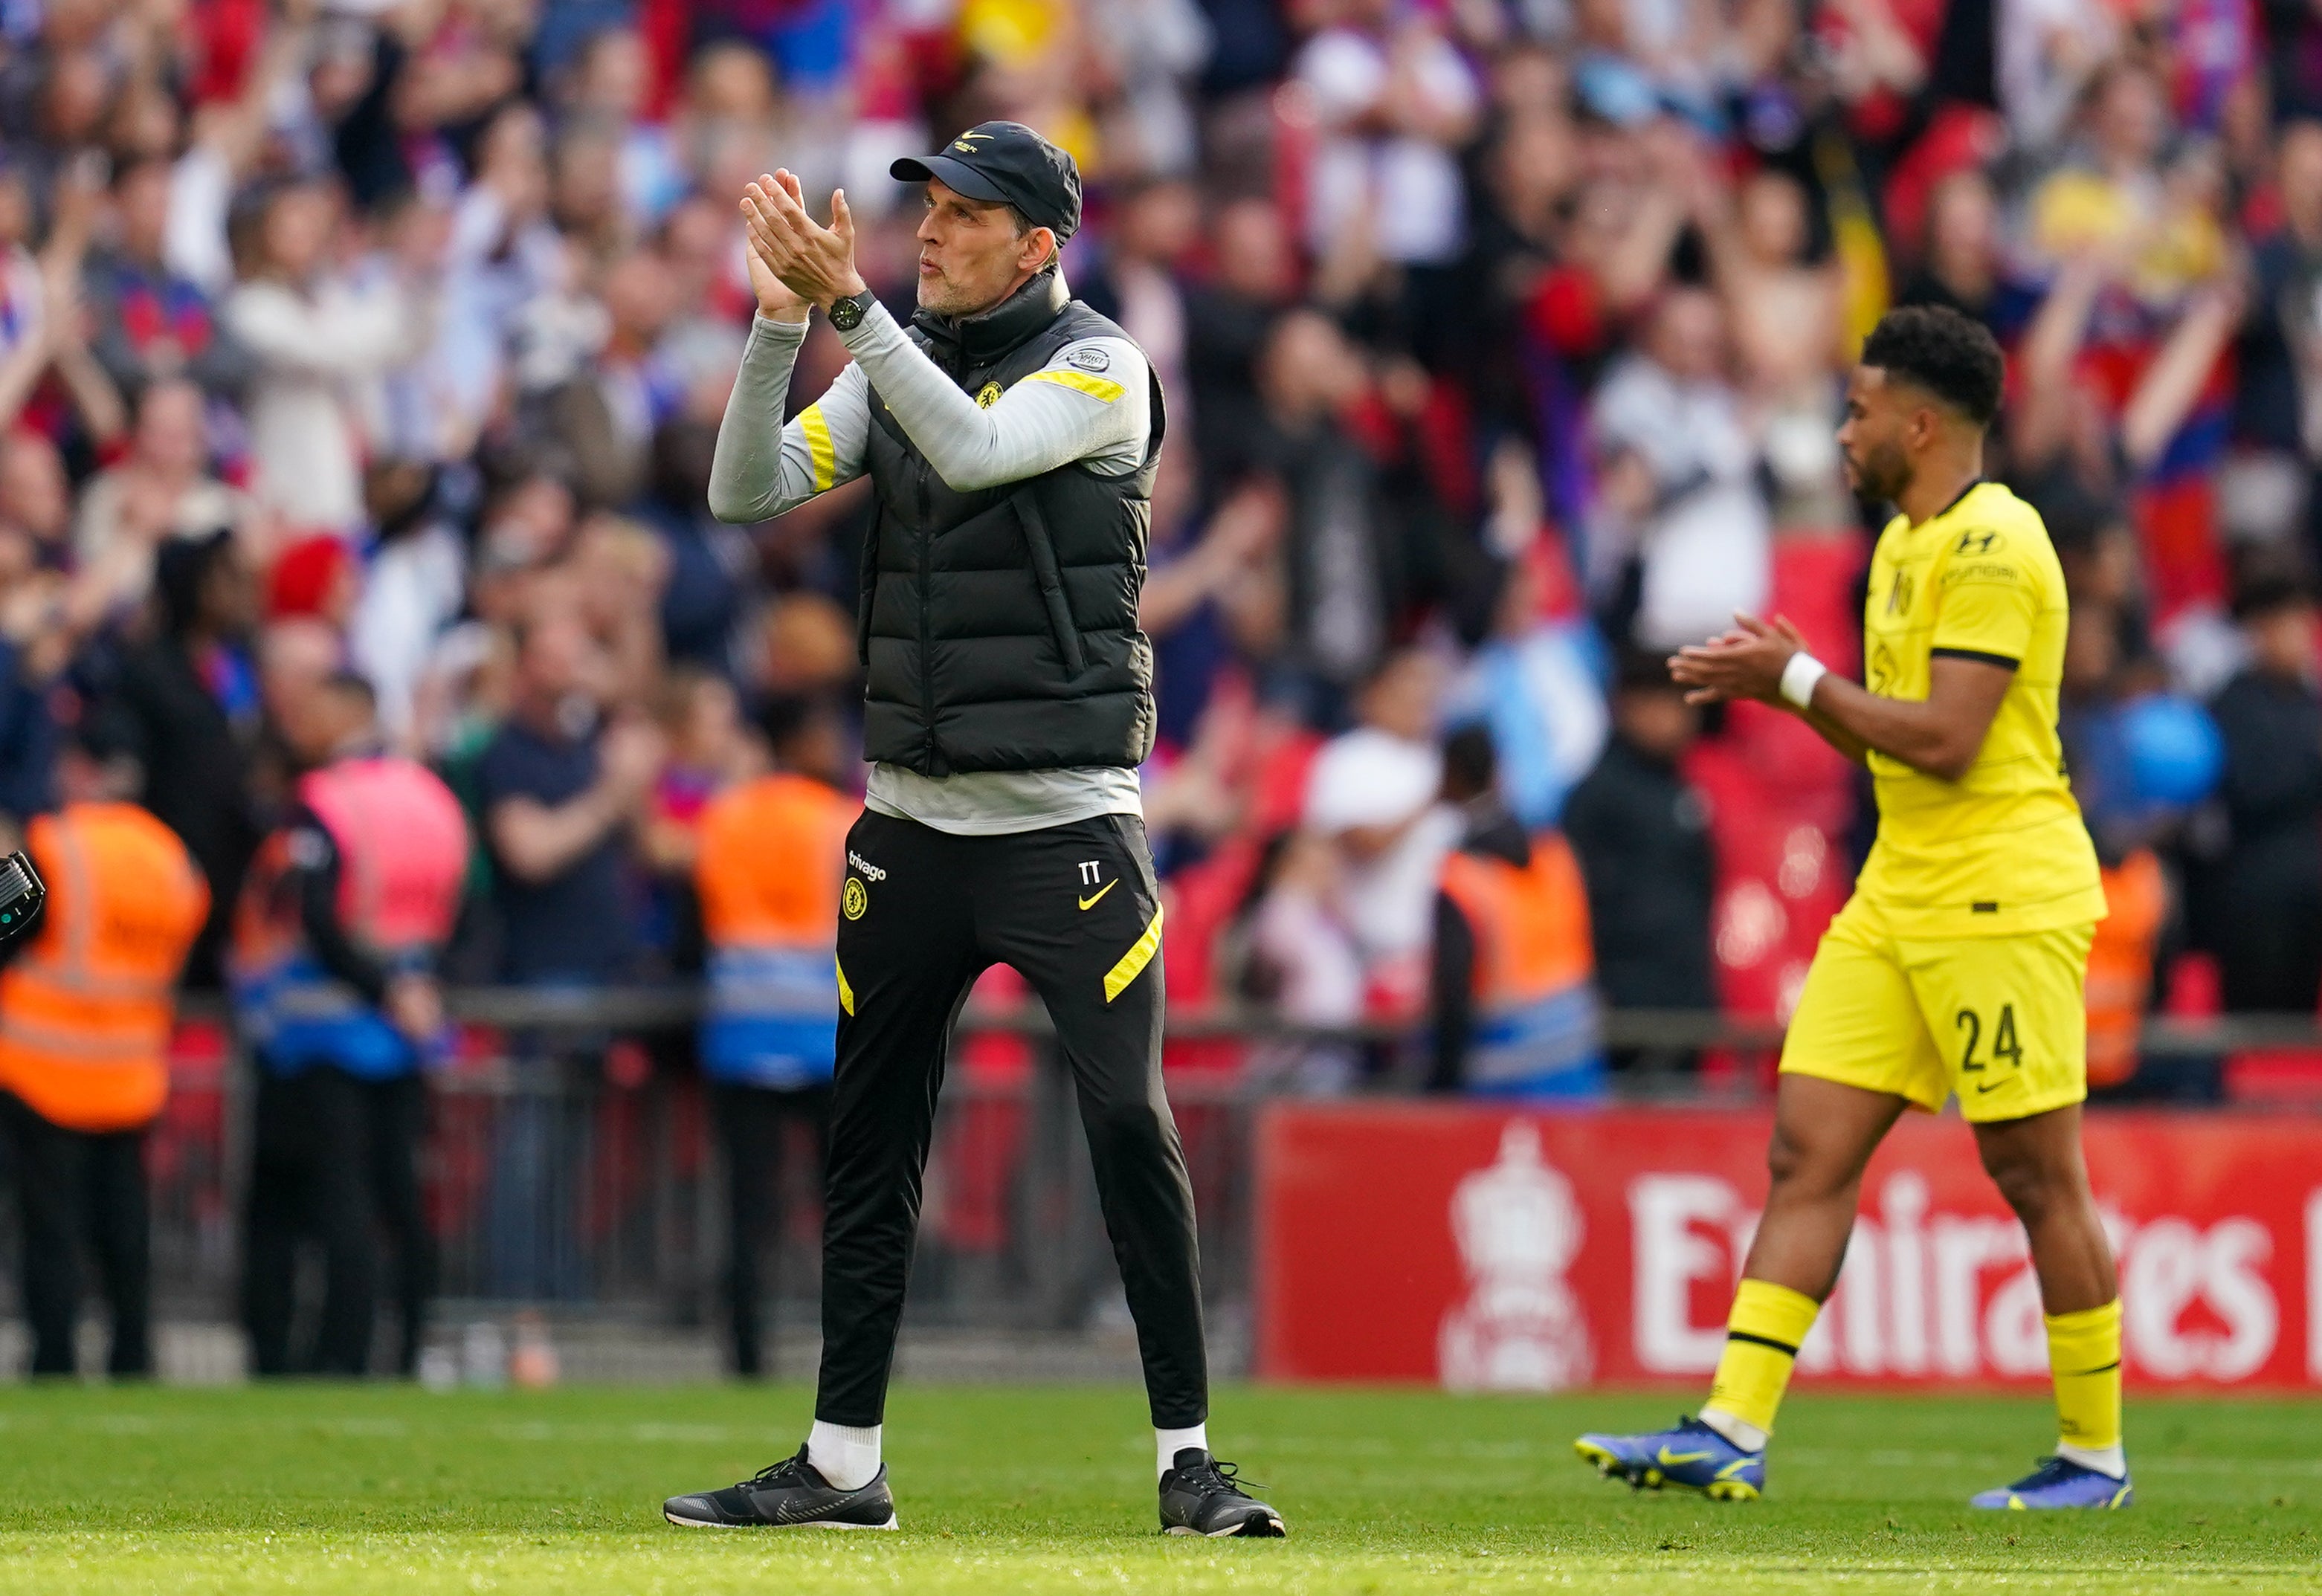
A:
1092,402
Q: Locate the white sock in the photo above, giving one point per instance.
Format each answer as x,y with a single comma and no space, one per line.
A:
2105,1460
1740,1431
1167,1444
844,1454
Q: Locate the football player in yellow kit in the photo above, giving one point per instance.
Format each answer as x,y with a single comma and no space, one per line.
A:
1958,965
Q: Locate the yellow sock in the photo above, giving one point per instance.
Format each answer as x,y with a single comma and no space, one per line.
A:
1762,1336
2084,1355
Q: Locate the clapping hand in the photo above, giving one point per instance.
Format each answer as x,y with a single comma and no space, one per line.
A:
776,302
814,262
1746,662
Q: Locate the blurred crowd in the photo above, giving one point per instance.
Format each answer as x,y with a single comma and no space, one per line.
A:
1502,341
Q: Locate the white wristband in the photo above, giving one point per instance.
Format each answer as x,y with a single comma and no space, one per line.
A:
1799,676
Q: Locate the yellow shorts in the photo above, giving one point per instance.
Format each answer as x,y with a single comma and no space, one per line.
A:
2000,1020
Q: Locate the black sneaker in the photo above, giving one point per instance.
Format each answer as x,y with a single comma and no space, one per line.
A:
1199,1496
791,1494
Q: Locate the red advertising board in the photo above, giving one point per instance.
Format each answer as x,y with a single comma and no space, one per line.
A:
1482,1247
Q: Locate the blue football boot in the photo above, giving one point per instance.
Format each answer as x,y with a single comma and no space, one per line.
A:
2059,1482
1692,1455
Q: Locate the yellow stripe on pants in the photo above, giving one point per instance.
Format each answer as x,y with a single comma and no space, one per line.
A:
1133,962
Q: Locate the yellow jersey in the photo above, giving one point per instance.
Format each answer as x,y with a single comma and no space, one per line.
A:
2002,850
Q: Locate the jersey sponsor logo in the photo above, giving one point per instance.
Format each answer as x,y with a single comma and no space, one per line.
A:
1987,571
1089,360
1979,541
854,899
864,868
988,395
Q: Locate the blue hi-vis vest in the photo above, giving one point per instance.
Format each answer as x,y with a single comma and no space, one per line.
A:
1544,1048
402,843
774,1016
295,1015
772,853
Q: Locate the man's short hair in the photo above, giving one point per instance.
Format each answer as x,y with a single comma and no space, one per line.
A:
103,734
125,170
180,569
354,686
784,717
1471,764
1951,356
2267,587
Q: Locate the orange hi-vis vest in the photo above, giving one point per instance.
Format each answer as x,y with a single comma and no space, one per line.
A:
2120,964
768,871
1536,1031
85,1012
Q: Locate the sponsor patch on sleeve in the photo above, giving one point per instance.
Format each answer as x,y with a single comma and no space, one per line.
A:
1981,571
1089,360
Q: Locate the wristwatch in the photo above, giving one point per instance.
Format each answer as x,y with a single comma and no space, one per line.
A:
22,893
847,314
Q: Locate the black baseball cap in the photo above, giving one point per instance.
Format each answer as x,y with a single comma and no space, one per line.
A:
1006,163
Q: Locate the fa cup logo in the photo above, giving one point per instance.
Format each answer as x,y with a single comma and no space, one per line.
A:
1518,1228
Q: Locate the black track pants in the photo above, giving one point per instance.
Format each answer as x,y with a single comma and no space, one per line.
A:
753,1124
336,1158
81,1188
1075,909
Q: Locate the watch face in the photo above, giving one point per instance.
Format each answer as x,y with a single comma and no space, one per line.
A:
847,314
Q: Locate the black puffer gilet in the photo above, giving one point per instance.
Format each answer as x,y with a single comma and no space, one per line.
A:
998,629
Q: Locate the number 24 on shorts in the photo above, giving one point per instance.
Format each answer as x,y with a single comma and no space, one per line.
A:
2004,1045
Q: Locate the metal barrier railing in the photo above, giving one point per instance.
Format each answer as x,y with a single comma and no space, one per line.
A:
553,1179
650,1007
634,1008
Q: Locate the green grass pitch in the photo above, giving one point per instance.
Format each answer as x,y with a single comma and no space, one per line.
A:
330,1489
